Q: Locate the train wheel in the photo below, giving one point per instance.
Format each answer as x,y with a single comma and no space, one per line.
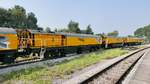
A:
59,54
1,58
90,49
53,54
95,48
46,55
9,59
62,53
79,50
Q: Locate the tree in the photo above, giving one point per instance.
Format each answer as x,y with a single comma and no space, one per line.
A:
89,30
83,31
40,28
113,34
55,30
18,17
130,36
31,21
101,34
4,17
64,30
73,27
143,32
48,30
139,32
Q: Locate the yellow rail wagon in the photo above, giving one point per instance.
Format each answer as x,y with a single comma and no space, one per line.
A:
47,40
81,42
133,41
8,43
57,44
40,42
112,41
140,40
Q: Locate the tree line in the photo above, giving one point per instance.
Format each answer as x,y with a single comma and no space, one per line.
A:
17,17
73,27
143,32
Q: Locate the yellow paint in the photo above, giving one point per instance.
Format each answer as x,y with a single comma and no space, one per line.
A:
47,40
113,40
77,41
12,41
132,40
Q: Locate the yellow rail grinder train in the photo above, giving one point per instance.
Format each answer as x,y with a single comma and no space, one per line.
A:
20,42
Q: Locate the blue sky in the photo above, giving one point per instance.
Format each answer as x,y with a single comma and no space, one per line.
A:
103,15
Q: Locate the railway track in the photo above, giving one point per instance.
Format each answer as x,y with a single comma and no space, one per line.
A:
31,63
114,73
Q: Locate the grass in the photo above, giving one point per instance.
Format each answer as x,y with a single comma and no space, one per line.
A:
44,75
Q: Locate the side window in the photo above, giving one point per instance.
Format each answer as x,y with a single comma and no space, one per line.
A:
3,42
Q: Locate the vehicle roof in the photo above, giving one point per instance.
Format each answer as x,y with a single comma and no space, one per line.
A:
62,33
113,37
4,30
36,31
77,35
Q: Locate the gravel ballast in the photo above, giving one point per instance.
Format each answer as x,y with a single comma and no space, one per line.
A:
112,75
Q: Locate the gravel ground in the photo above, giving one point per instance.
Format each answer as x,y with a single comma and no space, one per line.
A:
112,75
